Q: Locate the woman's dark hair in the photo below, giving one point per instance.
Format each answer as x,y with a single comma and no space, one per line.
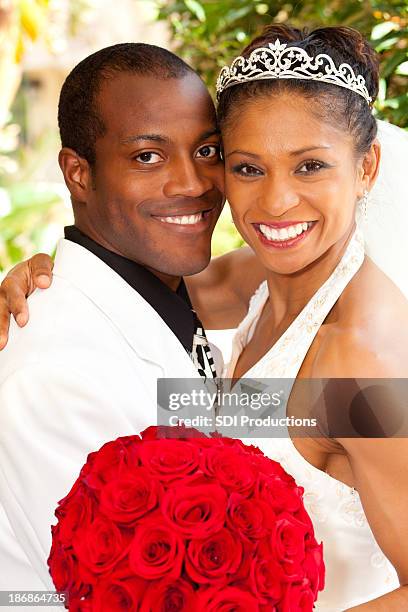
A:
335,104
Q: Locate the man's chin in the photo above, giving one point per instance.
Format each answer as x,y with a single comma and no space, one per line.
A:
196,269
188,265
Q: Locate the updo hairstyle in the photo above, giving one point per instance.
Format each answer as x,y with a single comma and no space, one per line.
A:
334,104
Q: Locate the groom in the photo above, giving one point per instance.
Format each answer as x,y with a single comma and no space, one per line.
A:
140,157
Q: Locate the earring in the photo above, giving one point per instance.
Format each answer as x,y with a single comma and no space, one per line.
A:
364,204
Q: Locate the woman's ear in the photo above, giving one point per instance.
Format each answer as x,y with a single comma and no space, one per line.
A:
77,174
370,166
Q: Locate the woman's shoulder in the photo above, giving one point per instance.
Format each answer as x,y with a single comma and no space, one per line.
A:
221,293
366,334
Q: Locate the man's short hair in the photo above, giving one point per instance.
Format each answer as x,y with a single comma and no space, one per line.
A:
79,121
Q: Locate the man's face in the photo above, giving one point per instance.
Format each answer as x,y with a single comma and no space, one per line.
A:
158,177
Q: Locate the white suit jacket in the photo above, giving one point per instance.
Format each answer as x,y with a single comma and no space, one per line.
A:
81,373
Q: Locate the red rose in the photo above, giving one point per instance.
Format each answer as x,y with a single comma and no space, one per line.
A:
231,467
250,518
214,558
80,605
266,580
192,524
156,550
155,433
169,596
230,599
298,598
195,511
249,551
280,495
75,512
64,570
169,459
288,542
314,568
101,545
272,469
304,518
231,442
110,460
130,496
78,484
117,595
164,431
249,448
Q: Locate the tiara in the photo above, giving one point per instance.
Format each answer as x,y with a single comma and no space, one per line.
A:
278,61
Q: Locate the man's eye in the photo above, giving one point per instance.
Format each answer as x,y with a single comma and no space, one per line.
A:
148,157
246,170
209,151
311,166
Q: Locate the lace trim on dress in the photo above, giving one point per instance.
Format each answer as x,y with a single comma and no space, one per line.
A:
285,357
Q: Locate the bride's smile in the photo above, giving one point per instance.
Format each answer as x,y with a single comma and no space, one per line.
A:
283,235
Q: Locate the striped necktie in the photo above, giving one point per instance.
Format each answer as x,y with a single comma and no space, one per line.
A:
201,351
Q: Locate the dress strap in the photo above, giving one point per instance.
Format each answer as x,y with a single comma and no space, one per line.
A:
286,356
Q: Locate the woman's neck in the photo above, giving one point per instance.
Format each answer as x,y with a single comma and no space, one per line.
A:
290,293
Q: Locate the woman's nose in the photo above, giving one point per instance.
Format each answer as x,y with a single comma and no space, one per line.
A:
278,197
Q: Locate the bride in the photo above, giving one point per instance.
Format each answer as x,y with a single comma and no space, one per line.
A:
299,154
301,159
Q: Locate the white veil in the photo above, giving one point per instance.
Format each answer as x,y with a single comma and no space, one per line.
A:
386,224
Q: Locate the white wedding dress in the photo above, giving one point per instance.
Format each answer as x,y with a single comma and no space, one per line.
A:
356,569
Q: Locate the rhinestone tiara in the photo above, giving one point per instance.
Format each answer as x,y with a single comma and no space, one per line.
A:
278,61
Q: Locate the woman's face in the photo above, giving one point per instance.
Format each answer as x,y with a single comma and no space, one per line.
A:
292,181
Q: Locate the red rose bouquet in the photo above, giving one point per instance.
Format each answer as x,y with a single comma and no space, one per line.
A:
185,523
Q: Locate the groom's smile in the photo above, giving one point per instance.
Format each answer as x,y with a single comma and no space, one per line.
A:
155,191
187,218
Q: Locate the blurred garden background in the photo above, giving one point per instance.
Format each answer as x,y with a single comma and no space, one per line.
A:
41,40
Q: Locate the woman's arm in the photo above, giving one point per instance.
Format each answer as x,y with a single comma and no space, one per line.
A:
19,283
380,469
379,465
220,294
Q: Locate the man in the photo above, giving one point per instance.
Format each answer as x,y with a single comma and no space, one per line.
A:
140,157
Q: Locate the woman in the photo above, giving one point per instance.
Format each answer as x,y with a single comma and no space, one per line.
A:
300,154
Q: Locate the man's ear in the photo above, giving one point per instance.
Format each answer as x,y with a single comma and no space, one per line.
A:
77,173
370,167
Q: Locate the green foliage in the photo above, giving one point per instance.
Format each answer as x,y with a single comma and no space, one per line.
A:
209,33
225,238
31,212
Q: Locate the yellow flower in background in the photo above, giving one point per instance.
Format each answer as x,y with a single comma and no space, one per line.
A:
20,20
33,17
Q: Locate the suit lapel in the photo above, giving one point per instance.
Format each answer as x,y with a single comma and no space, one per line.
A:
140,325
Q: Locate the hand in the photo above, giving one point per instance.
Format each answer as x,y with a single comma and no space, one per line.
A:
19,283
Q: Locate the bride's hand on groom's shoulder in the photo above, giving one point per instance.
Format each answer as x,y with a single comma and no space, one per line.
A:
19,283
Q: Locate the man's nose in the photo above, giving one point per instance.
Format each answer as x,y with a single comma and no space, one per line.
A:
187,179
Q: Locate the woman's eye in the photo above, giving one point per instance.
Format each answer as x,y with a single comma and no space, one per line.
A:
148,157
311,166
246,170
209,151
